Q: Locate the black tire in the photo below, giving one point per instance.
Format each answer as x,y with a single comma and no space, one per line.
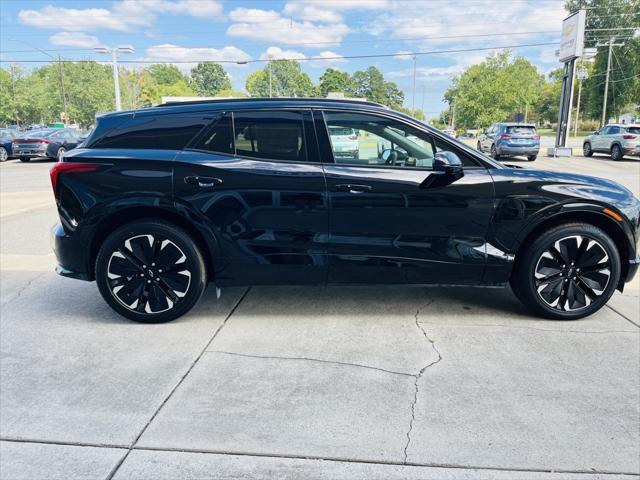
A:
586,149
167,293
616,153
494,153
479,147
532,158
24,159
577,290
4,155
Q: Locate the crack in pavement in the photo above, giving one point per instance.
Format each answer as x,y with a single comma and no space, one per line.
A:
193,364
308,359
26,287
418,376
531,328
623,316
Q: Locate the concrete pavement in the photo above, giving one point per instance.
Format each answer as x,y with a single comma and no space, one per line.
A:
291,382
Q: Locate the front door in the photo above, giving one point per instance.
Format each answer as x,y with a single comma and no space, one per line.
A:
386,224
255,178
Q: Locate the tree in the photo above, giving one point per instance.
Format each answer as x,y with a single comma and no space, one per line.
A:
624,81
287,80
333,80
209,78
549,102
495,90
166,74
370,83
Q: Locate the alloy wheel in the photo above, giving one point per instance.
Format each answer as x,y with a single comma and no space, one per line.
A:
3,154
572,273
616,153
148,274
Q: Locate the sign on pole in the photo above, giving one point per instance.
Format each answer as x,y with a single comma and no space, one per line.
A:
572,39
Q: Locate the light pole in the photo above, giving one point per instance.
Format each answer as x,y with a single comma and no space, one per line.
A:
413,97
114,61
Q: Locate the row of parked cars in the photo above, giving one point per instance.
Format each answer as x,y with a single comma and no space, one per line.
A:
49,143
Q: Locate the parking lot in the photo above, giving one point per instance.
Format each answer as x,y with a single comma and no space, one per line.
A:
291,382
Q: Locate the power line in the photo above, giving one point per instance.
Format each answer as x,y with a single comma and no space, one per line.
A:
336,57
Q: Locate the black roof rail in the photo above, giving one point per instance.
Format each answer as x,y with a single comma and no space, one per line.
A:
271,99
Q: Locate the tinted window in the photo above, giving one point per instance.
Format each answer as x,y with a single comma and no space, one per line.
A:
272,135
635,130
218,137
521,130
169,132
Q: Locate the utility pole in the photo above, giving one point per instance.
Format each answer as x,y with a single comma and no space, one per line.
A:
413,99
606,81
64,97
270,78
581,74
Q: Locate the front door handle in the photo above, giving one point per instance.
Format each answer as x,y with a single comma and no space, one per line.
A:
202,182
353,188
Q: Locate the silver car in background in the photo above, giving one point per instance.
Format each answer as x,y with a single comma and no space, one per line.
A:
614,139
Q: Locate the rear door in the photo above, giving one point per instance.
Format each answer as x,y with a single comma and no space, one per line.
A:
254,178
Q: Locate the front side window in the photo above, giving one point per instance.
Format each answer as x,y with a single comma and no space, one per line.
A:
363,139
270,135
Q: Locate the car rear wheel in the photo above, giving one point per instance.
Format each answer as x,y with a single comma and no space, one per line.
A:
616,153
532,158
150,271
568,272
494,153
479,147
586,149
4,156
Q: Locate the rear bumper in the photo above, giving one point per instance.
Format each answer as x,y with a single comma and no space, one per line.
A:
517,150
632,150
71,255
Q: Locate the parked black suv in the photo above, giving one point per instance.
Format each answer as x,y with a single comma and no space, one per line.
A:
160,201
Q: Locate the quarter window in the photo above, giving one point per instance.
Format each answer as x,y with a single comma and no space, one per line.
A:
218,137
270,135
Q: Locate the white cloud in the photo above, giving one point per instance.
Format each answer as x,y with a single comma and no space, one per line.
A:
190,57
276,53
323,59
74,39
428,74
312,13
331,59
124,15
271,26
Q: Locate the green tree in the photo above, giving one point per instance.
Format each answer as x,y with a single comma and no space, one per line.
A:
333,80
624,84
370,83
208,78
166,74
549,102
286,78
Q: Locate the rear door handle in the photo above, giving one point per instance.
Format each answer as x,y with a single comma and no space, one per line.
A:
202,182
353,188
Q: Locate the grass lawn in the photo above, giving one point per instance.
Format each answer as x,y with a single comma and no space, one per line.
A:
552,133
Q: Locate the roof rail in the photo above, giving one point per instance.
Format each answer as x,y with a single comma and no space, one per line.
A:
271,99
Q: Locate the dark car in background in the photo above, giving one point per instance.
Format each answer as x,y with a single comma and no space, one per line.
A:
510,140
50,143
7,135
161,201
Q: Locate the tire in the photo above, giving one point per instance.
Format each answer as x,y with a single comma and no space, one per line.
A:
123,276
4,155
532,158
60,154
616,153
586,149
25,159
479,147
575,291
494,153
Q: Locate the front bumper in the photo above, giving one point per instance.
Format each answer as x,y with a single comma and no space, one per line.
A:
634,264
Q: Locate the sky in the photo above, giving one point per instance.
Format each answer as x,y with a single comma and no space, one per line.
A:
326,32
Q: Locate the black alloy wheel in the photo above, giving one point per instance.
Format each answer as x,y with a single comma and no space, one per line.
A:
150,272
568,272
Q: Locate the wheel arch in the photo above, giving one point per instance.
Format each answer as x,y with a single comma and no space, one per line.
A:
122,217
597,219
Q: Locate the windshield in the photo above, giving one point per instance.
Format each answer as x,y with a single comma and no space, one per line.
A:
37,133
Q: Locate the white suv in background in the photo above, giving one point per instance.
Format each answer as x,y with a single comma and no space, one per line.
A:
616,139
345,142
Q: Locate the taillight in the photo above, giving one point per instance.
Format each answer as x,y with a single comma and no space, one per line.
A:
45,141
505,135
352,137
536,137
629,136
65,168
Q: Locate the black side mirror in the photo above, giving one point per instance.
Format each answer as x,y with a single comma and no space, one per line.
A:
447,168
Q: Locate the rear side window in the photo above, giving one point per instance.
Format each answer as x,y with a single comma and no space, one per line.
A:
271,135
519,130
635,130
167,132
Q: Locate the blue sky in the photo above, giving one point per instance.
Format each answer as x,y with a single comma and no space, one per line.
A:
186,31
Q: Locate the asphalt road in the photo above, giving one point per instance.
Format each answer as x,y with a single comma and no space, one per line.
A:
284,382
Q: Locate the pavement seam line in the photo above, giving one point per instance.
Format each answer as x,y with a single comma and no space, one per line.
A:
347,364
321,458
22,290
417,377
623,316
550,330
177,385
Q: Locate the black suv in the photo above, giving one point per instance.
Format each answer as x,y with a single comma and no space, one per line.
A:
159,202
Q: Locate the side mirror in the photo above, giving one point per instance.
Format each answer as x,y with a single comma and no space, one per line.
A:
447,168
596,132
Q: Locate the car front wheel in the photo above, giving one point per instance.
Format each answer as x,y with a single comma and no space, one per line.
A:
4,156
150,271
586,149
532,158
568,272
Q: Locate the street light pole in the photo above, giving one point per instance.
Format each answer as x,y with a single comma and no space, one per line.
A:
413,99
114,61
